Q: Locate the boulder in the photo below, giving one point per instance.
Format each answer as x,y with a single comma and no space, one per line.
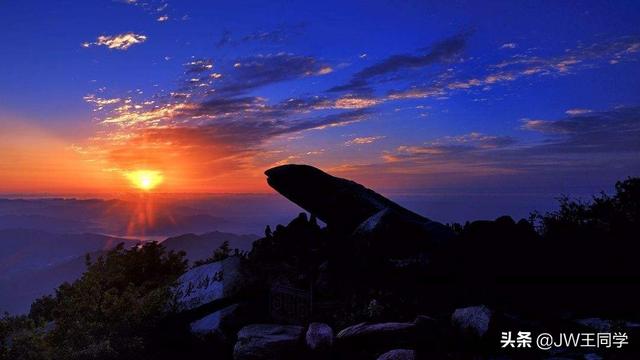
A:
398,354
210,282
375,337
319,337
268,342
426,324
220,323
345,204
473,320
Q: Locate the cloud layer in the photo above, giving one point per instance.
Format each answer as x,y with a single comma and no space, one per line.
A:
217,120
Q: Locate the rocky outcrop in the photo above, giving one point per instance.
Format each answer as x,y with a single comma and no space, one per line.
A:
472,321
369,219
268,342
372,338
319,337
343,203
210,282
398,354
223,323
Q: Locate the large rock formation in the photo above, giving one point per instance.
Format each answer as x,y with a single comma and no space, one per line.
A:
336,201
353,209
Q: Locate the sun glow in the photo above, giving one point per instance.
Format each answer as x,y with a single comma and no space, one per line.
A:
145,179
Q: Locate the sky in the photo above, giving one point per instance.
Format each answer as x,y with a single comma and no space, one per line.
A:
407,97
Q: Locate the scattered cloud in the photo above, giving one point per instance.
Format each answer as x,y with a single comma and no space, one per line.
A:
349,102
215,110
573,112
218,118
325,70
453,145
509,46
526,66
252,72
278,35
156,8
616,130
119,42
570,146
364,140
444,51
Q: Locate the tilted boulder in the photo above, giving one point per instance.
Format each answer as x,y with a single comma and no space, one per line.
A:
340,202
268,342
352,209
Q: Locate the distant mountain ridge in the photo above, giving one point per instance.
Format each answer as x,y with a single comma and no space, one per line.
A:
201,246
144,216
43,242
27,249
34,262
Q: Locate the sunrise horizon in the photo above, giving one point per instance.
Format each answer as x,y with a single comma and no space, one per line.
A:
445,106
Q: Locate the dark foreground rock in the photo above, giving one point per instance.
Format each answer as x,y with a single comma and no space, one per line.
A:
224,323
268,342
398,354
375,338
472,321
319,337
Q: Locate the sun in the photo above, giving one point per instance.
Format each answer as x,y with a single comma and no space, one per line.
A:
145,179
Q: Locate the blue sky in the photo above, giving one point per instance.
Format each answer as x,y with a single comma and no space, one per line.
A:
401,95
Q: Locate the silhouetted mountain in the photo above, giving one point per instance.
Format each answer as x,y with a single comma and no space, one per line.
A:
173,225
201,246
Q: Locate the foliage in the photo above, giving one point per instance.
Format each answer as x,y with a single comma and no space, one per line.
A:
22,339
601,235
113,311
604,214
222,252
